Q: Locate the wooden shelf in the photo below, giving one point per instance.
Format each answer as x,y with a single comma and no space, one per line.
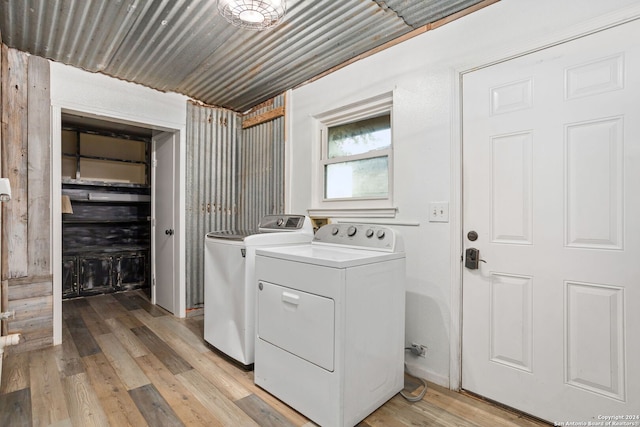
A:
110,198
101,250
106,241
107,221
109,159
106,184
92,156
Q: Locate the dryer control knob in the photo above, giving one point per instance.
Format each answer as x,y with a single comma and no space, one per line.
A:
334,231
369,233
280,222
351,231
380,234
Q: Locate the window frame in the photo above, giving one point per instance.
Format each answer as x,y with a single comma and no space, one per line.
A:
352,206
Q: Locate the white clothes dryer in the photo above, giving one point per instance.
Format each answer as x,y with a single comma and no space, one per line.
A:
330,322
229,280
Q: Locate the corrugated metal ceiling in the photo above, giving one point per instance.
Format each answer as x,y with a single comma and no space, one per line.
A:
185,46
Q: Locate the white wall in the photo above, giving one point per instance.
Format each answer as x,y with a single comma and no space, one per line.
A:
96,95
427,150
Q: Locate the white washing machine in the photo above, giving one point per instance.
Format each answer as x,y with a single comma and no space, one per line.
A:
330,322
229,280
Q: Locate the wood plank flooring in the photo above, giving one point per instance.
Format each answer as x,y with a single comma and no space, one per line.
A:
125,362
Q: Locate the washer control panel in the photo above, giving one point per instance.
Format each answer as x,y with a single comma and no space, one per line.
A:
365,236
283,223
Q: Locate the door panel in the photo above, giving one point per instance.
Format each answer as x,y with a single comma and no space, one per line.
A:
164,225
511,195
595,338
511,340
95,275
69,276
131,270
552,188
594,183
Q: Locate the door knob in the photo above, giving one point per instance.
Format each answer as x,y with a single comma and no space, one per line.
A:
168,232
472,258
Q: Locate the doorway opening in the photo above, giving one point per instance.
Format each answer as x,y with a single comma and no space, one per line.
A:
106,207
161,249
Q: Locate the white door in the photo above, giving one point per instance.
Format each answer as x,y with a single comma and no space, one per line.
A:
164,225
551,161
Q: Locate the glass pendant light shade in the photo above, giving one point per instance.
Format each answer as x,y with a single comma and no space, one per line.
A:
253,14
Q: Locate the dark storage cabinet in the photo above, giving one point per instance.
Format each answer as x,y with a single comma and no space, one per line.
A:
95,274
106,240
130,270
91,274
69,276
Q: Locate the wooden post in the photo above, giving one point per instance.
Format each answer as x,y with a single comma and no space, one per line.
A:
25,159
14,163
3,290
39,166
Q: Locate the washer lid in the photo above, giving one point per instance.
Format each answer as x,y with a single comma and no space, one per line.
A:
259,238
271,224
328,256
236,235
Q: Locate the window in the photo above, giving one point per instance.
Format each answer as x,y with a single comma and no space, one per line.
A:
355,164
356,161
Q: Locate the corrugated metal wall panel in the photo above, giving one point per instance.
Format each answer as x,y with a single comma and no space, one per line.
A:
164,48
261,168
234,178
187,47
315,36
212,138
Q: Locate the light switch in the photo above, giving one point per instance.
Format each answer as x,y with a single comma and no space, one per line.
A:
439,212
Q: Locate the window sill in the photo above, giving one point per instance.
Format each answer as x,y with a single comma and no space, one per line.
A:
353,212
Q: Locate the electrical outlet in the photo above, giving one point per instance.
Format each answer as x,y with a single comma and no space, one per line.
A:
439,212
418,350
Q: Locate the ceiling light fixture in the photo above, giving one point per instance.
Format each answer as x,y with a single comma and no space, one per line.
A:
253,14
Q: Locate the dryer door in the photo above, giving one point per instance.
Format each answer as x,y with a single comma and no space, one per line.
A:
298,322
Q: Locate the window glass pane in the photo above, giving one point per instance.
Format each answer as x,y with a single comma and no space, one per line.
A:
359,137
359,178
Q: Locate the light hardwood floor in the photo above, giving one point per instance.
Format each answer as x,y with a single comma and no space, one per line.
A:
126,362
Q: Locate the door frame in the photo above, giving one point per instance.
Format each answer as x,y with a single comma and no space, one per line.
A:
56,210
502,54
